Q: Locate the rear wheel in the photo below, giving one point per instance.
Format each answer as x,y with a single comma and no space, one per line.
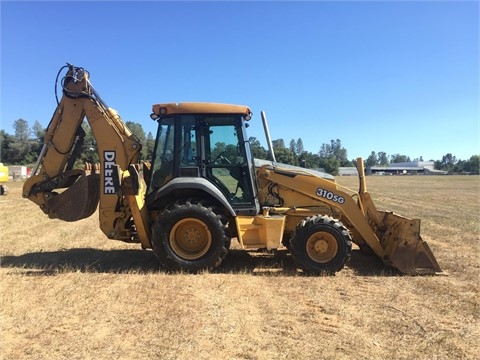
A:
321,245
189,237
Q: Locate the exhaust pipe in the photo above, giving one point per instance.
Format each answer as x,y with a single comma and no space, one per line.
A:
267,135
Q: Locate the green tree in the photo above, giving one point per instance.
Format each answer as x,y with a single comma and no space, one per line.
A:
6,153
329,164
335,150
324,151
293,147
285,156
22,130
296,147
258,151
340,152
138,131
38,131
372,160
382,158
219,148
4,140
22,150
397,158
36,143
150,146
299,146
278,144
448,162
89,151
311,161
332,156
460,167
470,166
474,164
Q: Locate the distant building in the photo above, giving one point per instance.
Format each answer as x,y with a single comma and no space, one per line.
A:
405,168
347,171
18,172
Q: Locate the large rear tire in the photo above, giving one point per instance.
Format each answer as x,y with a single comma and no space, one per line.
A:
321,245
189,237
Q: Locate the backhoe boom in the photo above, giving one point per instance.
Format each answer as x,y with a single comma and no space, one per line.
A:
79,192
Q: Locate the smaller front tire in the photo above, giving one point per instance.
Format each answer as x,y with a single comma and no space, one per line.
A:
321,245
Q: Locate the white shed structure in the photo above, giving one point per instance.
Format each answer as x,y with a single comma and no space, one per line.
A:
413,167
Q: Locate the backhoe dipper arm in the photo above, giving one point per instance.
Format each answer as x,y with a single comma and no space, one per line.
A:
117,147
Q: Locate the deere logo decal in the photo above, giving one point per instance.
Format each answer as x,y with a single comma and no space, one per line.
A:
108,163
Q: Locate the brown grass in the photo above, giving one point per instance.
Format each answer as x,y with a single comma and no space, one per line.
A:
67,292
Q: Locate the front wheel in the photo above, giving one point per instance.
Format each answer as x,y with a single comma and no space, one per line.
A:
321,245
189,237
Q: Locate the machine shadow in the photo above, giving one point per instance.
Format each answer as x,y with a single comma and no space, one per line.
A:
280,262
369,265
83,260
91,260
88,260
258,262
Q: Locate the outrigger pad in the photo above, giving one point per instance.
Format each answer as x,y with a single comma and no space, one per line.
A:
79,201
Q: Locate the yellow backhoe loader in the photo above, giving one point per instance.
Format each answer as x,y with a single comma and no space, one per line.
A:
203,188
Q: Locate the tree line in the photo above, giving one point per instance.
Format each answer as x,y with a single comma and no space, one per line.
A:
333,155
24,146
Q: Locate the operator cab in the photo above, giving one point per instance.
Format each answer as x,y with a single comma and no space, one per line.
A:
208,141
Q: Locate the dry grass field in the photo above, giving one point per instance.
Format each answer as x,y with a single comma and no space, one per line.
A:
67,292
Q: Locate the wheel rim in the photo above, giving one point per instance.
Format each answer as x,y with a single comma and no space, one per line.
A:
322,247
190,238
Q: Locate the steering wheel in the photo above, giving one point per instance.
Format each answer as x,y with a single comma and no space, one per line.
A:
221,159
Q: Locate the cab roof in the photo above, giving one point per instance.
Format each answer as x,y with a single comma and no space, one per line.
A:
200,108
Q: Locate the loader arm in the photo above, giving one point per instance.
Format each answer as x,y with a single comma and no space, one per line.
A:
393,238
72,194
305,189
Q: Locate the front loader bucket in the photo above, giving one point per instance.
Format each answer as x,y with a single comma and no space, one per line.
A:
404,248
78,201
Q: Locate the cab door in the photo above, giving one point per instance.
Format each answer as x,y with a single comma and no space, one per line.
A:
226,163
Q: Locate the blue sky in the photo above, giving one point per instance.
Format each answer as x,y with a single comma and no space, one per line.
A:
399,77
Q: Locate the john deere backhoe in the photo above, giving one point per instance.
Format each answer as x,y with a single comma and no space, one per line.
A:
204,188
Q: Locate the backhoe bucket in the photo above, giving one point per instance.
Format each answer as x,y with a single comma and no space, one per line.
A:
78,201
404,249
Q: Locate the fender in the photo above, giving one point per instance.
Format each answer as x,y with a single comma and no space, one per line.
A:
193,184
